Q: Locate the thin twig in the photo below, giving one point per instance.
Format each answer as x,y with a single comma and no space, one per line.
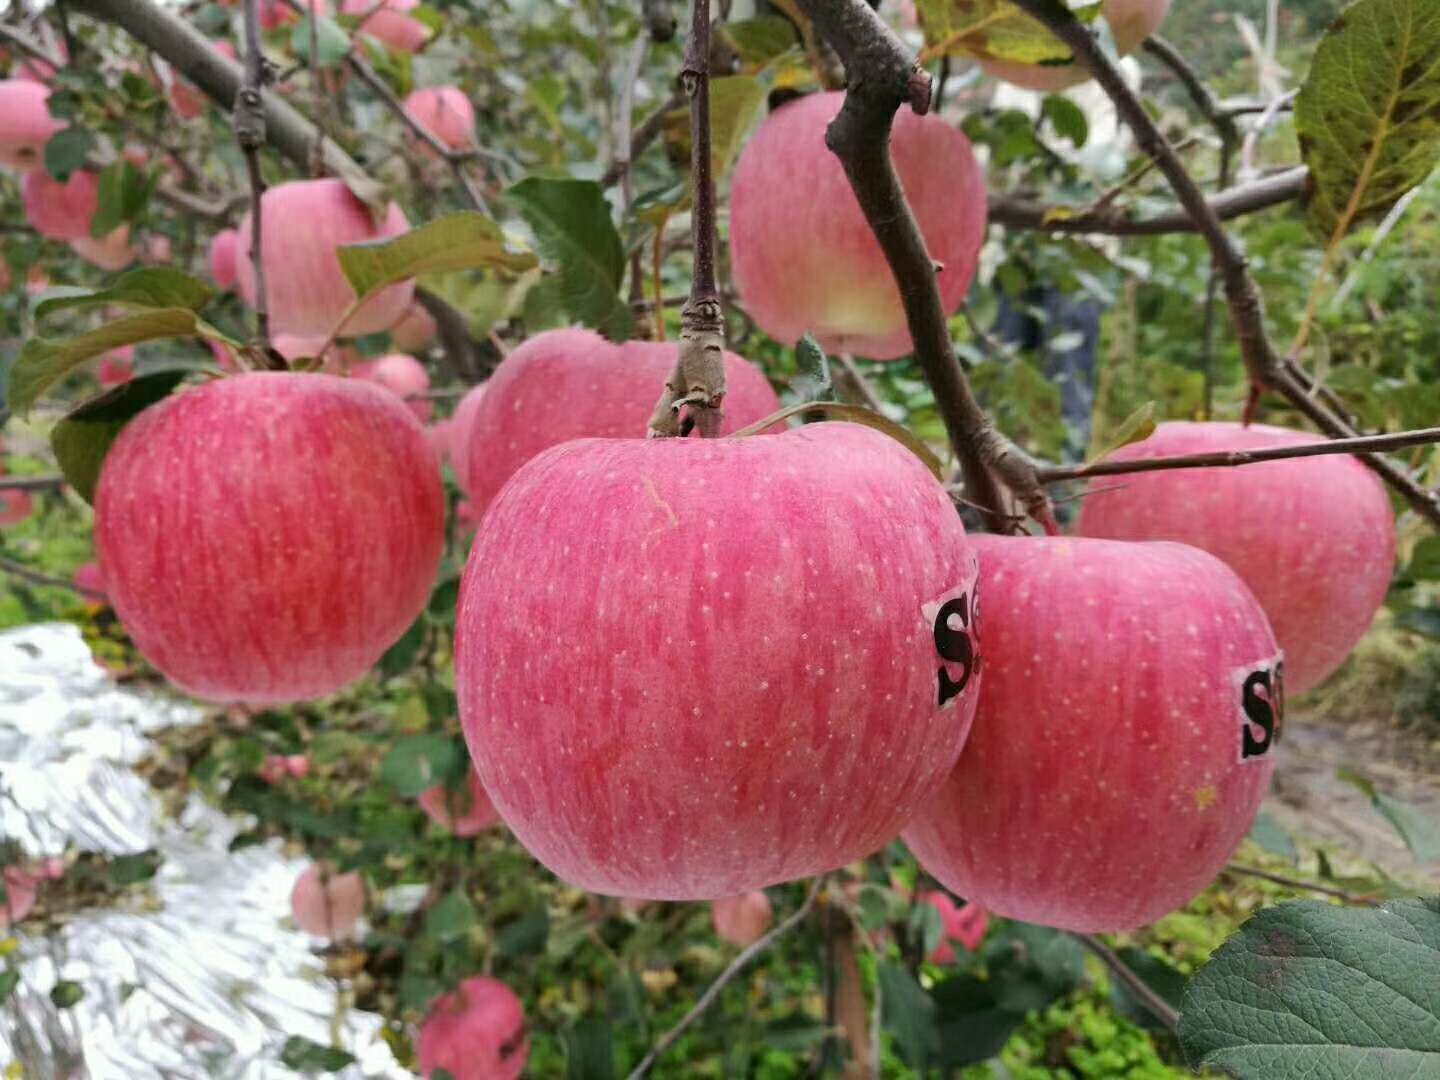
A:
643,136
855,378
1154,1004
713,990
35,577
1220,458
31,483
1209,106
1308,886
249,121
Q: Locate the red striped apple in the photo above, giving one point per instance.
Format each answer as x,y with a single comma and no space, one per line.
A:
464,812
25,122
327,904
690,668
462,431
742,920
1132,694
1130,22
223,255
445,112
60,211
804,257
116,367
573,384
304,221
1314,538
265,537
414,331
475,1033
388,24
403,376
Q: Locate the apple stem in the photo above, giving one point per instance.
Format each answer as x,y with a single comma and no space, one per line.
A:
698,378
249,122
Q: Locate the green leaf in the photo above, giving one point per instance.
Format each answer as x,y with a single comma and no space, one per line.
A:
419,762
400,656
451,918
1067,118
735,103
1310,989
1270,835
66,994
1030,966
908,1013
1425,560
124,195
990,30
970,1023
1368,113
1167,982
1137,427
759,40
303,1055
1420,833
44,361
1420,620
575,234
67,151
150,287
9,979
525,936
462,241
926,926
856,414
589,1049
331,41
133,869
813,379
84,436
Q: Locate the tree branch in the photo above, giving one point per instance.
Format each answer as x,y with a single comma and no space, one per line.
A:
31,483
1295,883
882,77
249,122
713,990
1154,1004
644,135
469,360
35,577
1266,368
1223,122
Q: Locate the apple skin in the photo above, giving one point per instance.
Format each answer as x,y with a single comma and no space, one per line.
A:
1314,538
61,211
690,668
112,252
116,367
1131,22
804,257
742,920
462,431
25,122
1103,784
87,577
312,518
414,331
402,375
445,112
389,25
327,905
476,1033
573,384
223,255
304,221
465,813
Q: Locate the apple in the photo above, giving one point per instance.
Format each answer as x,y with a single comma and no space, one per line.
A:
966,924
327,904
1130,22
445,112
1132,693
1314,538
465,813
15,506
91,582
116,367
303,222
414,331
438,434
462,432
312,518
389,25
21,891
403,376
223,256
690,668
60,211
25,122
742,920
804,257
475,1033
277,13
112,251
572,384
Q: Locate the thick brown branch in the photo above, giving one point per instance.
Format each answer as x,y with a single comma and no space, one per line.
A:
1222,458
882,77
1264,365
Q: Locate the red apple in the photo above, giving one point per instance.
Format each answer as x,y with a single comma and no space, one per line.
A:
327,904
304,221
572,384
91,582
116,367
1130,21
60,211
445,112
266,536
462,432
277,13
111,252
804,257
223,256
1314,538
414,331
1131,696
742,920
475,1033
388,25
689,668
403,376
465,813
25,122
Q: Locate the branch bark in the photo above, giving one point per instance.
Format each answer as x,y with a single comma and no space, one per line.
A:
1157,1006
249,123
882,77
1267,369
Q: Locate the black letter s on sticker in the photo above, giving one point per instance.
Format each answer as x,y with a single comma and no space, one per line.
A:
954,645
1263,701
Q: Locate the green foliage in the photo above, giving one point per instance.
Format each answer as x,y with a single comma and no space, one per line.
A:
991,30
83,438
460,241
304,1055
